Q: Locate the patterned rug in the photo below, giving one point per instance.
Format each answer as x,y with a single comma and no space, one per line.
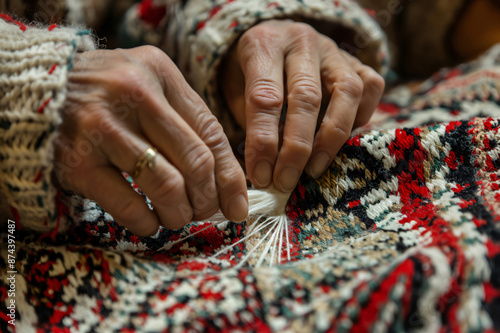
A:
402,233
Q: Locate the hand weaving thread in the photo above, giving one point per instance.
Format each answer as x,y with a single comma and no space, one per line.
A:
266,211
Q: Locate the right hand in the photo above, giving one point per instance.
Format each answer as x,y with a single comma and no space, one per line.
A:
120,103
279,62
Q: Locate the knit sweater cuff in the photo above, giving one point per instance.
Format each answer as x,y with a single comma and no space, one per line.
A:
34,69
214,29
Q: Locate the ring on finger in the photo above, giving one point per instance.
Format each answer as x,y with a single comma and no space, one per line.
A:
146,159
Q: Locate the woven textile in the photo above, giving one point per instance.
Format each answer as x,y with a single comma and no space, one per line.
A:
402,233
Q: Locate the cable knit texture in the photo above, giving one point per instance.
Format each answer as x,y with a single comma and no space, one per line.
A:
34,66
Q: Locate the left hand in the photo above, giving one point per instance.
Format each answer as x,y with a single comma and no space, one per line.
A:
282,61
118,104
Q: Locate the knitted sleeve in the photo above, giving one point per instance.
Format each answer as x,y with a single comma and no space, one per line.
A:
34,65
197,34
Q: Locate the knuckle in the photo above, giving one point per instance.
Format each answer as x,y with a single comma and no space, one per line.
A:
128,77
374,82
126,210
170,188
263,140
298,146
153,52
264,143
109,126
199,163
226,180
257,34
141,88
350,84
265,95
307,95
155,58
90,120
335,130
258,40
211,130
302,32
113,133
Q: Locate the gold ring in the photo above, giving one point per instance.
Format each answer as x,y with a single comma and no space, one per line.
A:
148,158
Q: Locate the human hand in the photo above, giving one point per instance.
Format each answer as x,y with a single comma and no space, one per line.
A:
120,103
280,61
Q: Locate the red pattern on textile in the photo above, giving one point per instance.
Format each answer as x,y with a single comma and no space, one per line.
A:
9,19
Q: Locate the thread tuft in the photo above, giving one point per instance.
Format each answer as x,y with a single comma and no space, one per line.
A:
266,213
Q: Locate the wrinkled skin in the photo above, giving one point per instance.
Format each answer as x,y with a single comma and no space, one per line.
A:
282,61
119,103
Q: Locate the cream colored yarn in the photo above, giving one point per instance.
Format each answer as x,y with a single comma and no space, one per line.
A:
33,73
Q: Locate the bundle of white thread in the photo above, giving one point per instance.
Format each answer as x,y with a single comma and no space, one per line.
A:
266,215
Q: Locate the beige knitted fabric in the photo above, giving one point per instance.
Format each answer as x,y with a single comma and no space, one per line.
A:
34,66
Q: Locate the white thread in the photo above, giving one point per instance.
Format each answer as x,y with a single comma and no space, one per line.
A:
168,246
280,246
269,244
259,228
269,202
287,243
266,205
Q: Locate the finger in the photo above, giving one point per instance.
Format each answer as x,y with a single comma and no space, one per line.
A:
161,125
230,178
187,152
373,88
261,61
231,189
233,88
163,184
104,184
346,89
302,67
108,187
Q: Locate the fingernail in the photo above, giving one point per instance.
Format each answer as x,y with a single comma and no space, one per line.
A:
238,208
263,173
319,163
288,179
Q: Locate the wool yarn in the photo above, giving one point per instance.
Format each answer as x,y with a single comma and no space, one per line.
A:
30,115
